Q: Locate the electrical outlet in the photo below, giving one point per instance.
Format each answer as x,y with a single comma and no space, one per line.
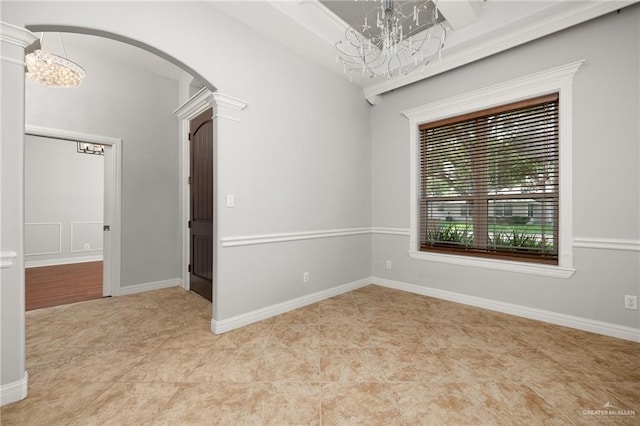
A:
631,302
305,277
87,246
388,264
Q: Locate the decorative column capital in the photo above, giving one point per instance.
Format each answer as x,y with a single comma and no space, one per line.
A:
204,99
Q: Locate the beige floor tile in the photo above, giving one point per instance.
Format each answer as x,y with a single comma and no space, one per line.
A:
92,336
252,336
283,403
229,365
402,364
166,365
299,364
435,404
351,365
492,337
584,366
576,401
344,335
57,403
471,365
542,336
510,403
216,403
127,404
628,392
101,366
294,336
531,365
191,338
334,317
359,404
443,336
391,335
404,300
372,356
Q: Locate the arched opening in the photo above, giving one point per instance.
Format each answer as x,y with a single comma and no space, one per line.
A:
135,107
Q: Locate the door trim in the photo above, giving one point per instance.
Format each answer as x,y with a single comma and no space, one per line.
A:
113,174
193,107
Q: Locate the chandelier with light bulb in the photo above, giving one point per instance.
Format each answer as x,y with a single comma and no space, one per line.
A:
53,70
395,38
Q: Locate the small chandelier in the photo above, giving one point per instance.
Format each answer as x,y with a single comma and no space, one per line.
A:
52,70
395,39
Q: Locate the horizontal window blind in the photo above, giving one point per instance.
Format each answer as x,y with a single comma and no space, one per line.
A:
489,182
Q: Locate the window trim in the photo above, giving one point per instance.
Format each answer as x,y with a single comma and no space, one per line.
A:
560,80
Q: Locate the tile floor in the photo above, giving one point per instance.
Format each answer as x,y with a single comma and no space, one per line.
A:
372,356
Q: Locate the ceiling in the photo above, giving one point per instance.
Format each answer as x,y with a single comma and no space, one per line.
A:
477,29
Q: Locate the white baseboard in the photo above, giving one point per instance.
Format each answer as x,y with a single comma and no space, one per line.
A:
155,285
65,261
238,321
599,327
14,391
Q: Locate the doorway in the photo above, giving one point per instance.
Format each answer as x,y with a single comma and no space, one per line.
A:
106,270
201,204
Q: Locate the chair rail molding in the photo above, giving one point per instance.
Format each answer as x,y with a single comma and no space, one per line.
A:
607,243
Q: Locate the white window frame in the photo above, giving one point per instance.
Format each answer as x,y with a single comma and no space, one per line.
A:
560,80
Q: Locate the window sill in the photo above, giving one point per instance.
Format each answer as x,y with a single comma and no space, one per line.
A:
496,264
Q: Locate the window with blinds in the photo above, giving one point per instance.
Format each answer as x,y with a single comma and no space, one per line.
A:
489,182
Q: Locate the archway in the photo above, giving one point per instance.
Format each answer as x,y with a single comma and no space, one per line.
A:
15,40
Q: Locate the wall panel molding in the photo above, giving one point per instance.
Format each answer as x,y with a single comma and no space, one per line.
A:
30,225
74,248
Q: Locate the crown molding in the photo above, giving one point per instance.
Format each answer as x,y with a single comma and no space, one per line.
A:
222,100
18,36
204,99
560,16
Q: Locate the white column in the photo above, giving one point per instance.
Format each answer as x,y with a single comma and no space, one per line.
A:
13,376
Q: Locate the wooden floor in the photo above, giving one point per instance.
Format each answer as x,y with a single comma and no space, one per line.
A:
47,286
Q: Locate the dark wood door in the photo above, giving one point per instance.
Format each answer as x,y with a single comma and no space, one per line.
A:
201,217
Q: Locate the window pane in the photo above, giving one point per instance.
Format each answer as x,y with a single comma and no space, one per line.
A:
490,182
529,228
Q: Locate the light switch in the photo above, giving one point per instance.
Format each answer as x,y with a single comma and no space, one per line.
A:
231,202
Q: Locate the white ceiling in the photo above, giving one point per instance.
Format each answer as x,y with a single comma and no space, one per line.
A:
477,29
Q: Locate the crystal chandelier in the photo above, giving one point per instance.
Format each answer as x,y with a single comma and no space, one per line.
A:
395,38
52,70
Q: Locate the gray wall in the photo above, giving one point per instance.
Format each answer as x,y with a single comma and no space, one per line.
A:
120,101
605,172
298,161
307,156
64,199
